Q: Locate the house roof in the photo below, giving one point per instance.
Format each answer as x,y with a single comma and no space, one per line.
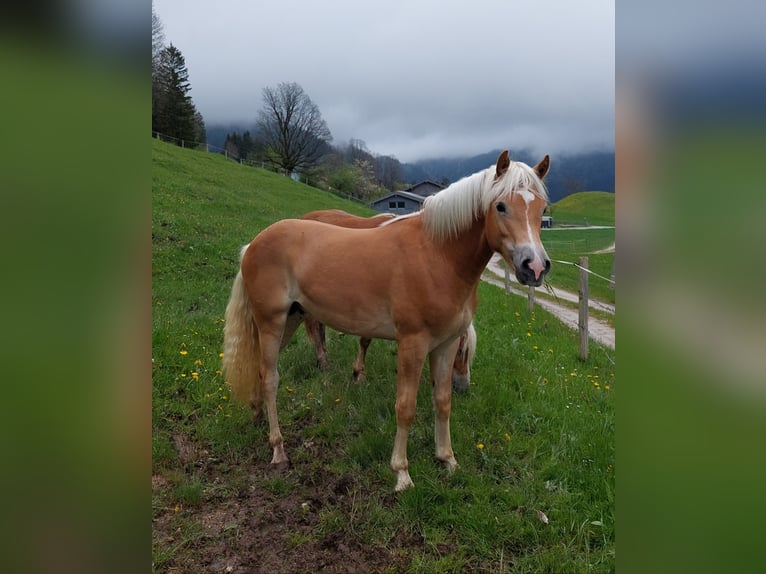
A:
404,194
425,182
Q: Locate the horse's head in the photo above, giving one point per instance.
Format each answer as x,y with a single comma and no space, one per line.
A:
514,218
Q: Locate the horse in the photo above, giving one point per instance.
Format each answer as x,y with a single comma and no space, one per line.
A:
461,369
413,280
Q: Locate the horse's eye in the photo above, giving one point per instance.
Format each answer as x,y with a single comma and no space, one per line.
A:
501,207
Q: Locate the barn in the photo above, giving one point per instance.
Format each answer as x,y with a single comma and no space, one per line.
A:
406,201
399,202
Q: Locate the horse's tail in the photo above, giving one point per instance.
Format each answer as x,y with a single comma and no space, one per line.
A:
241,350
470,344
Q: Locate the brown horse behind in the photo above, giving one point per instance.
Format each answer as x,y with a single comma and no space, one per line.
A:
412,279
461,369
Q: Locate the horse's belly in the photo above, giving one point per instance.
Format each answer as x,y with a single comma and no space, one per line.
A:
354,321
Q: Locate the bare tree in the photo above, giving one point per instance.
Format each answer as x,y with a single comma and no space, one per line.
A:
292,128
158,38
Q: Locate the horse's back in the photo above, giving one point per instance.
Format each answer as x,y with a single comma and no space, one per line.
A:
345,219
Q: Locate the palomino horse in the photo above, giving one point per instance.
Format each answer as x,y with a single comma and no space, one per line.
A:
413,280
461,369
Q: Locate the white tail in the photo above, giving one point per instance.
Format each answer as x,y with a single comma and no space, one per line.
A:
240,347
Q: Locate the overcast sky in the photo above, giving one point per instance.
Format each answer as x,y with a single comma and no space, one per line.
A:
412,79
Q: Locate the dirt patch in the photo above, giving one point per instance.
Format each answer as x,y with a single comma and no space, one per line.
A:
301,520
598,330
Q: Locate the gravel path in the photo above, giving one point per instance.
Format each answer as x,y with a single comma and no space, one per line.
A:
597,330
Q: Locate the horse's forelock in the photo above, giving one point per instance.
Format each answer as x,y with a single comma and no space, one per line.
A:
454,209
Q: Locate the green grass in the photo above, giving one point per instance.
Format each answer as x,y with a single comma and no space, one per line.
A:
585,207
545,420
569,245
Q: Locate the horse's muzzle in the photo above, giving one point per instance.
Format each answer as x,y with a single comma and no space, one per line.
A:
530,267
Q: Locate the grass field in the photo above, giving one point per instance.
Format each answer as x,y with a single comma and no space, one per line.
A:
534,434
584,208
569,245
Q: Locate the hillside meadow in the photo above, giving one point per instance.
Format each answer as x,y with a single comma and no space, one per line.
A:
534,433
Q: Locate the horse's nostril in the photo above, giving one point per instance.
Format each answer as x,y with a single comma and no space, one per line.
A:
525,263
547,265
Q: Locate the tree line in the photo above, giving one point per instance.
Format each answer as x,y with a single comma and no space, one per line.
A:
173,111
349,167
290,134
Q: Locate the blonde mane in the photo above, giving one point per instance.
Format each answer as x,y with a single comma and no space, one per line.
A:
453,210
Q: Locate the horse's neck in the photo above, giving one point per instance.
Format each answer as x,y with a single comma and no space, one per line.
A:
469,253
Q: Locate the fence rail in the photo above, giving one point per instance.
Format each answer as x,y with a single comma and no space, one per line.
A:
583,298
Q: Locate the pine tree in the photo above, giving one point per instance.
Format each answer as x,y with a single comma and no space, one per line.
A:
173,112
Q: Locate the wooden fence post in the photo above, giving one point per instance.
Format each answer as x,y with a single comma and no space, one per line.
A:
531,299
583,319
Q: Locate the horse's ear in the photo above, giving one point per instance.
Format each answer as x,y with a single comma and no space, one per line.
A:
503,163
542,168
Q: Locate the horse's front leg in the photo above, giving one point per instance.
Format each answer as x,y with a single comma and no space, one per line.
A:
441,361
411,355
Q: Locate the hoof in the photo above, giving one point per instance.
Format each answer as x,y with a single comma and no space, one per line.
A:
460,383
451,465
359,377
403,481
280,467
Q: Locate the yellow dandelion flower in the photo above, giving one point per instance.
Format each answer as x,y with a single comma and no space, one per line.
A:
572,374
534,347
195,375
337,401
198,362
607,387
529,334
220,355
550,350
177,508
480,446
290,389
183,374
184,352
223,397
507,436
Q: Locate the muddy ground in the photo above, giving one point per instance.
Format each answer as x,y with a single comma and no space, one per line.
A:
251,519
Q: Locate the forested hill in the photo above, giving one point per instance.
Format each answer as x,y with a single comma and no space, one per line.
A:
569,174
572,173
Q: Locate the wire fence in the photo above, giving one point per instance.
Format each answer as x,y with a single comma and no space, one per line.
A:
583,297
607,279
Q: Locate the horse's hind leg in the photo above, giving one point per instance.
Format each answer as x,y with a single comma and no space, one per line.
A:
316,332
441,362
358,373
460,368
270,342
295,317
